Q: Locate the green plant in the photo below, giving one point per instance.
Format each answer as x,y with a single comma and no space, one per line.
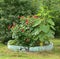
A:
33,31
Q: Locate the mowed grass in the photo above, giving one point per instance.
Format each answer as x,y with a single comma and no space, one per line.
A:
5,53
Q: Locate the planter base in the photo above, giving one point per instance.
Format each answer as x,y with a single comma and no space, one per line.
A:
37,48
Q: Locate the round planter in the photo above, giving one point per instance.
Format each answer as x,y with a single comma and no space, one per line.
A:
37,48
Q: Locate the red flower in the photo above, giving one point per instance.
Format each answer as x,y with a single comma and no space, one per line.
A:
18,17
27,21
22,30
35,16
9,27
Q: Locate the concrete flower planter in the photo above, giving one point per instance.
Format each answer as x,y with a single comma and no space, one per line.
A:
37,48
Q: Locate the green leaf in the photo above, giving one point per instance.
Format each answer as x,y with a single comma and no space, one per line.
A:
50,21
42,37
50,34
44,28
36,31
52,27
37,22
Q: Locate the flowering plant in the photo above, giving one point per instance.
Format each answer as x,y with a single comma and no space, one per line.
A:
33,31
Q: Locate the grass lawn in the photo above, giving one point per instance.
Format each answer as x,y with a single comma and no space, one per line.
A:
54,54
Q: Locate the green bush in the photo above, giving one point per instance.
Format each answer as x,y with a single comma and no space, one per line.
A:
5,29
5,33
33,31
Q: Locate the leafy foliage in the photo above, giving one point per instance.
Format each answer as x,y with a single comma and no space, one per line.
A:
5,33
56,16
32,31
19,7
54,7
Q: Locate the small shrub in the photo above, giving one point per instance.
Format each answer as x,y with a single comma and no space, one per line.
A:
33,31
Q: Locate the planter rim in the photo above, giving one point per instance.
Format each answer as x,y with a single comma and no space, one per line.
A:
37,48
